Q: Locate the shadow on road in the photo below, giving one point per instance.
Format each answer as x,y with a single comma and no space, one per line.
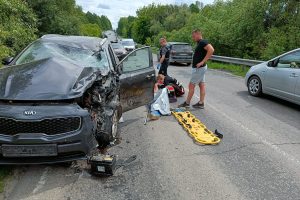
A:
289,112
271,99
179,65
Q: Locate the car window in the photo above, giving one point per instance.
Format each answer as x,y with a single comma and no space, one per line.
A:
290,60
182,47
117,46
127,43
84,57
137,60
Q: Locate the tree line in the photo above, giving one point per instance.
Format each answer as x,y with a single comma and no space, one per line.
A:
256,29
22,21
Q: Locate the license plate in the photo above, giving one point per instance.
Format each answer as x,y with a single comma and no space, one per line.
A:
29,150
101,168
183,54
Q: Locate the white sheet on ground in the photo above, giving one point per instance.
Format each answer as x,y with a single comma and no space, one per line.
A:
161,102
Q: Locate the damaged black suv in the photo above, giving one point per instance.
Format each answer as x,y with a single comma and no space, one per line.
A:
62,97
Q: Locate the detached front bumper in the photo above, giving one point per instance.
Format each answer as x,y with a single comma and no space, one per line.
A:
44,121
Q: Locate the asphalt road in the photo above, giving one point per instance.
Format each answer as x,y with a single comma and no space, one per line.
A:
259,157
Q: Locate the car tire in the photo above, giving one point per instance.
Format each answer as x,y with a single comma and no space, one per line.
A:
254,86
111,130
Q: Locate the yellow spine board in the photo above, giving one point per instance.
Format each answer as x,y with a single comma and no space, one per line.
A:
195,128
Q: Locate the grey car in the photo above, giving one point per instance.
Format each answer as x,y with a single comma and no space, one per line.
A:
119,50
279,77
62,96
180,52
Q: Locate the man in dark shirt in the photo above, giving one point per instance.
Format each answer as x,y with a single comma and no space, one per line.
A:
164,54
202,54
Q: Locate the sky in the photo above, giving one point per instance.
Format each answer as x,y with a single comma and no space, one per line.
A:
114,9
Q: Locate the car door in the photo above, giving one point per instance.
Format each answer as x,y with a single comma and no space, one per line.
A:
281,78
137,79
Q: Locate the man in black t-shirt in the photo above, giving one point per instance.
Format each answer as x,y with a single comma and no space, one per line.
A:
164,55
202,54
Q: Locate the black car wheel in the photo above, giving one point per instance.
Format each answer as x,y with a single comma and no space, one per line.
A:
254,86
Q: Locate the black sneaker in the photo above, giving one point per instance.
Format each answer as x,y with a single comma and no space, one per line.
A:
184,105
199,105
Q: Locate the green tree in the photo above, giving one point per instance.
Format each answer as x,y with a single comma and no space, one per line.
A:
141,28
17,26
90,30
57,17
105,23
122,29
22,21
257,29
194,8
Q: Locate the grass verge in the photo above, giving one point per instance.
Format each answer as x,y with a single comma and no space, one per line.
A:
238,70
4,172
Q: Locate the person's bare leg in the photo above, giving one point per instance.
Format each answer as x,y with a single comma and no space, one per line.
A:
202,92
191,93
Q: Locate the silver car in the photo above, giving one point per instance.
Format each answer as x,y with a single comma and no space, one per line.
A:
279,77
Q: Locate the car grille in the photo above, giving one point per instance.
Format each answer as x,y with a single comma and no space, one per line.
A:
51,126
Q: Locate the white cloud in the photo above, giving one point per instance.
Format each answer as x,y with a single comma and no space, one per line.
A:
103,6
114,9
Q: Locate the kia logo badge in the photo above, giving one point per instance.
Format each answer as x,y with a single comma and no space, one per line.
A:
29,112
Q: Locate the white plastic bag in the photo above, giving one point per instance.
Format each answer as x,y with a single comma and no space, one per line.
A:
161,103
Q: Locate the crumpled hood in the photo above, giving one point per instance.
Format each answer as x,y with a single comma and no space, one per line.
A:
47,79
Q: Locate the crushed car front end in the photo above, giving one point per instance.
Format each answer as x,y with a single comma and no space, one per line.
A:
57,101
33,133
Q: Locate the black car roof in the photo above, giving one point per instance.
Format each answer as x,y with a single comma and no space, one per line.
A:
83,42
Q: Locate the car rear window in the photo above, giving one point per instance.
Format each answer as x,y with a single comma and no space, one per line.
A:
117,46
127,43
181,47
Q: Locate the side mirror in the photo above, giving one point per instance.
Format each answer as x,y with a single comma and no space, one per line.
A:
273,63
7,61
270,64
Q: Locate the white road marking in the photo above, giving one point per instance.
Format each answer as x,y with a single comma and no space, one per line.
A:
42,181
253,133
